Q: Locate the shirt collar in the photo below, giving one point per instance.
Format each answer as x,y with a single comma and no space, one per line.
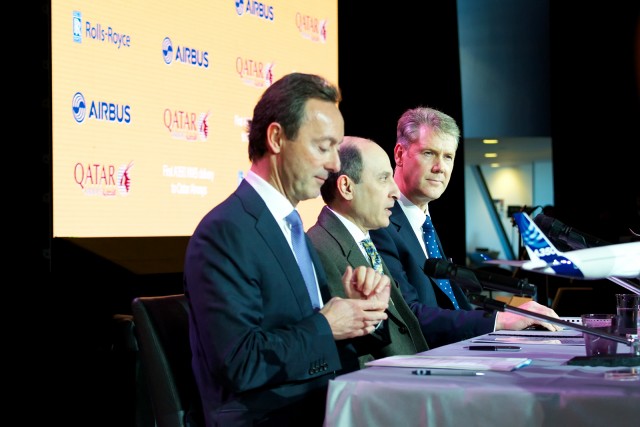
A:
414,214
353,229
276,202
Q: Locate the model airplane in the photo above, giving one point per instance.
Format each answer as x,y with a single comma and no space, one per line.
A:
621,260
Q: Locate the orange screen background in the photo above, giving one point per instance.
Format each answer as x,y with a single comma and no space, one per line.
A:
145,142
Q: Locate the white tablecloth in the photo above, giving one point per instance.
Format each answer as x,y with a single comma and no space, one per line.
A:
546,393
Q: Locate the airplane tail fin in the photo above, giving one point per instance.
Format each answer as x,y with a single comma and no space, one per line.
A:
538,246
542,253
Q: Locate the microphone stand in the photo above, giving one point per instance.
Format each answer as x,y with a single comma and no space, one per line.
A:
491,305
627,284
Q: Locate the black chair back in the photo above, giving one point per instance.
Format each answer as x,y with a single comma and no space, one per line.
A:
162,331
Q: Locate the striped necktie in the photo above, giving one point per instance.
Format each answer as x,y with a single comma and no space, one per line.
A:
429,235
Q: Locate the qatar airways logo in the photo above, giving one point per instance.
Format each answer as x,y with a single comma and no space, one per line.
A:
255,73
311,28
255,8
103,179
187,55
96,31
99,110
186,125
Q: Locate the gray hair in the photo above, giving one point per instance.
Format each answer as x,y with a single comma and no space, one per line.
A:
409,124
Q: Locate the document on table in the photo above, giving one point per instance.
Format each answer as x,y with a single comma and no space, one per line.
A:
473,363
563,337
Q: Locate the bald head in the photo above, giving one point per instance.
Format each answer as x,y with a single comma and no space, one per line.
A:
363,190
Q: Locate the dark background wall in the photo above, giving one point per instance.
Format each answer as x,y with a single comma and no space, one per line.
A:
595,127
504,64
595,115
391,59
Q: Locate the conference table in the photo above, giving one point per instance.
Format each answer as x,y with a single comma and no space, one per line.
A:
546,392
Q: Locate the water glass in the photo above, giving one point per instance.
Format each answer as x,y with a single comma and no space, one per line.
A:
595,345
628,310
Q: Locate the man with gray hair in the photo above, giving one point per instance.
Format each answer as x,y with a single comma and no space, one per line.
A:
424,154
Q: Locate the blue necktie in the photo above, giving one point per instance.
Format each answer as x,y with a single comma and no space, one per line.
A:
374,256
302,256
429,235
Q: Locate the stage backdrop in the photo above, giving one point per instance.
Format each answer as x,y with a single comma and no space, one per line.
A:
150,101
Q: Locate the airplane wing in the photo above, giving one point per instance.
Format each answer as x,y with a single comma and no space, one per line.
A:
620,260
525,264
513,263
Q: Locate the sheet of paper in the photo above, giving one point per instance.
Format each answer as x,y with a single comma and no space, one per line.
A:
565,333
506,339
564,337
473,363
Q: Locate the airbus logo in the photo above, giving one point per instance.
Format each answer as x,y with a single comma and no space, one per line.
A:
79,107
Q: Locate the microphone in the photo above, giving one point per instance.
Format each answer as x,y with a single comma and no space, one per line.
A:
477,280
561,234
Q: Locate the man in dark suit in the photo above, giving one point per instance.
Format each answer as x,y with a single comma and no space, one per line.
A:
424,155
262,353
359,198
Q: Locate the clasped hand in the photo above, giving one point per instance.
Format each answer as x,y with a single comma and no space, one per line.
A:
367,299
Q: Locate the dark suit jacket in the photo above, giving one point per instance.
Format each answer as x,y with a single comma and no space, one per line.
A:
441,324
337,249
260,352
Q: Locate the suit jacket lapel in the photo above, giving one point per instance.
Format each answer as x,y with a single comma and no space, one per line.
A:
269,229
401,223
351,250
338,231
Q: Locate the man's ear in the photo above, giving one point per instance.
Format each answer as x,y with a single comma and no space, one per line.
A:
398,151
275,136
345,187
